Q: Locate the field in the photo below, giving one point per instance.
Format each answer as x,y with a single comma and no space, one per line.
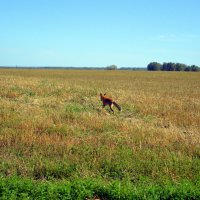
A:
55,138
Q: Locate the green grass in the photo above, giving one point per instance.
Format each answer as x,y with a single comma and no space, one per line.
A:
52,131
95,189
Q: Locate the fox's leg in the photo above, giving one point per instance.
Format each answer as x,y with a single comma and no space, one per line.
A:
111,105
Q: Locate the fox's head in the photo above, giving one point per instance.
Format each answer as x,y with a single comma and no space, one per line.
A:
101,95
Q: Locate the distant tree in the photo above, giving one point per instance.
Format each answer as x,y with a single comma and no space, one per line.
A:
171,66
154,66
168,66
188,69
111,67
194,68
180,67
164,67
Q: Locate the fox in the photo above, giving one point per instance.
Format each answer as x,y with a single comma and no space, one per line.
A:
109,101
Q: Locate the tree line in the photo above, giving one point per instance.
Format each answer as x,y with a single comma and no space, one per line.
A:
170,66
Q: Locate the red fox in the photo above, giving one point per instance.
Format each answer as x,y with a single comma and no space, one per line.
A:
108,101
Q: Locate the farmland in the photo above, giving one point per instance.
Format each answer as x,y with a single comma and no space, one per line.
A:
53,131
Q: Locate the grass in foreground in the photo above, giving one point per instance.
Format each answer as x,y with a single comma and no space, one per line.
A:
94,189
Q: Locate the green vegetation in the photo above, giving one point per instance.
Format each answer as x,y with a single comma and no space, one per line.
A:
111,67
14,188
155,66
56,141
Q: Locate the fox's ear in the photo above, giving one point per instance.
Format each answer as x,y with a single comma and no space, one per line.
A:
104,94
100,93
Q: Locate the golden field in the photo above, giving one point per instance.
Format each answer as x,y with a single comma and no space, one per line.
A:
52,125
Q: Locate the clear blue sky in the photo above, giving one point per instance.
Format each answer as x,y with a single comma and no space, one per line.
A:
128,33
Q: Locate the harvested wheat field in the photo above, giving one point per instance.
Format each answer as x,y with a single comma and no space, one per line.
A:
54,133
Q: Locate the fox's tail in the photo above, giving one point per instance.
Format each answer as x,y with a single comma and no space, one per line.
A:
117,105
